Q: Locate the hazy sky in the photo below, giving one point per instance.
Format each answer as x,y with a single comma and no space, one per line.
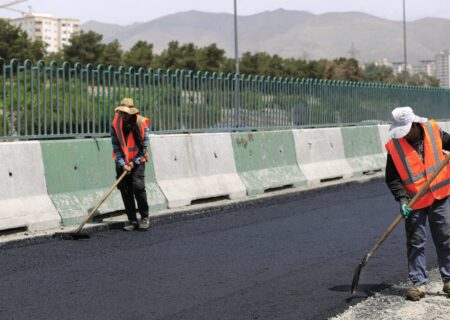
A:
129,11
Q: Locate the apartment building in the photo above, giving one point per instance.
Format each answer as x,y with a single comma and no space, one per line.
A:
53,31
398,67
426,67
443,68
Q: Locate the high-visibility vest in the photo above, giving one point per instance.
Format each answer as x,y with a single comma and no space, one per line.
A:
414,172
127,144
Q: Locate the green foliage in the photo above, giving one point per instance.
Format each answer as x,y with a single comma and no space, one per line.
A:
374,73
262,63
14,43
87,47
58,57
83,105
417,80
140,55
84,48
112,54
47,105
171,57
211,58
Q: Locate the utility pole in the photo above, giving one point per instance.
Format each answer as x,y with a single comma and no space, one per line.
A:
404,43
236,58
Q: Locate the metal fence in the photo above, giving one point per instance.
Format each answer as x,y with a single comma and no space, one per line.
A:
52,101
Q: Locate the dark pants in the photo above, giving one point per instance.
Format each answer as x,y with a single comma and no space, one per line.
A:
438,215
133,186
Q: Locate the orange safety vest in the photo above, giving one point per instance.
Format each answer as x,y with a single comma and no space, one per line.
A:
414,172
128,145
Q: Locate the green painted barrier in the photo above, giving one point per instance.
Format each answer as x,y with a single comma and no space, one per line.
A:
266,160
79,172
362,148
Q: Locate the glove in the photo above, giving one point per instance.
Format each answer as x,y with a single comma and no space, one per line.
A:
405,210
128,167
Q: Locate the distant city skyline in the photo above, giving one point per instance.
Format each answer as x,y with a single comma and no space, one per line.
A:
112,11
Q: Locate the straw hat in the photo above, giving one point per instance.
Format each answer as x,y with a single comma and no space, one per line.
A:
402,120
127,106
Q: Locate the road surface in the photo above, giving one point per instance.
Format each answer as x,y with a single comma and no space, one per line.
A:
288,258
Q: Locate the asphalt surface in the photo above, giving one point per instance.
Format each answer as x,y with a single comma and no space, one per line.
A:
288,258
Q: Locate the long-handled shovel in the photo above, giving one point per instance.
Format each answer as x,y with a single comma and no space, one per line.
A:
77,234
394,224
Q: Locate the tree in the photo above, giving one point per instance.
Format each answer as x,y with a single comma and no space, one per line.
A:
188,57
140,55
297,68
171,57
342,69
14,43
374,73
179,57
211,58
84,48
54,56
112,54
418,80
257,63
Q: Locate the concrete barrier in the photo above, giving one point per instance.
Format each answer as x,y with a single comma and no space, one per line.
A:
24,202
444,125
320,154
195,166
266,160
363,150
79,172
383,131
183,168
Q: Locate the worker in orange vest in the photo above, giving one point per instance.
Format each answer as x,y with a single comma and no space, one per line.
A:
130,142
414,153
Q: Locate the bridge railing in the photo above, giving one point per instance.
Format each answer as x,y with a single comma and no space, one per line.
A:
40,100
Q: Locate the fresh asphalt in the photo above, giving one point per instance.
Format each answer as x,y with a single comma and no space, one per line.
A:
283,258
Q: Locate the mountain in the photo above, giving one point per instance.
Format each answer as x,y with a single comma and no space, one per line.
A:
297,34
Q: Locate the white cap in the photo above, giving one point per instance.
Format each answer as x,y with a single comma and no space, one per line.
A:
402,120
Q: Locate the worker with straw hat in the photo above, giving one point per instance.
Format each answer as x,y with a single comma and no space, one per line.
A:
130,142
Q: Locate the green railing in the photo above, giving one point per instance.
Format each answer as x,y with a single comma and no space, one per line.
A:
52,101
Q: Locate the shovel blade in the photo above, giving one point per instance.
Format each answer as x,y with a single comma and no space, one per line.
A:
356,278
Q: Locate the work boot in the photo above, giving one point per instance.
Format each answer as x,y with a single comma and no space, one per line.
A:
145,224
446,288
132,226
416,293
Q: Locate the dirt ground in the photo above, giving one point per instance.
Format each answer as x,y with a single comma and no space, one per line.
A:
390,304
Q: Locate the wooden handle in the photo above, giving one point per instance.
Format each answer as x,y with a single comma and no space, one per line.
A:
410,204
92,212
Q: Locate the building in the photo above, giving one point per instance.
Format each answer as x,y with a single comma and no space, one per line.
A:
443,68
383,63
53,31
426,67
399,68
